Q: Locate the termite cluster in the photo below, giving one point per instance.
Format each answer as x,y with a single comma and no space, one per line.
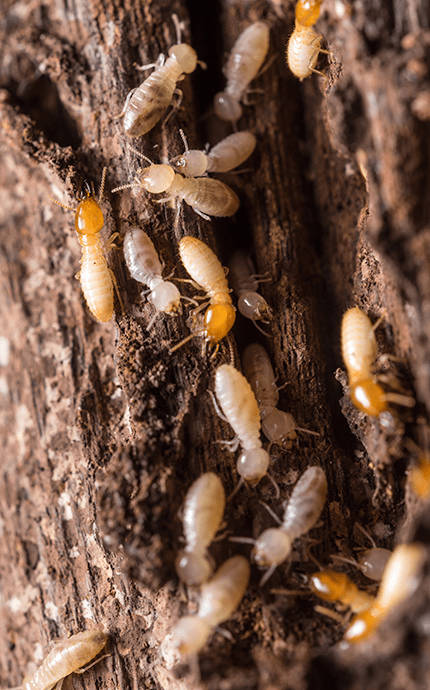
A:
247,402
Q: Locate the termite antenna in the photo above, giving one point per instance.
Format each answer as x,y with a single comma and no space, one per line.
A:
307,431
242,540
59,203
132,185
182,342
179,27
102,183
184,140
140,154
366,534
398,399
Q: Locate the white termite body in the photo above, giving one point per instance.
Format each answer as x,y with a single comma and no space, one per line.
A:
359,346
303,49
144,266
371,562
66,657
202,514
243,65
250,304
238,404
227,155
145,106
219,598
302,512
208,197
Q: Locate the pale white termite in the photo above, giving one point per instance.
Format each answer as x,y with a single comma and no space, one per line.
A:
219,598
278,426
145,105
302,511
207,196
202,514
145,267
66,657
228,154
245,60
359,352
97,280
371,562
399,581
205,269
240,409
245,283
304,45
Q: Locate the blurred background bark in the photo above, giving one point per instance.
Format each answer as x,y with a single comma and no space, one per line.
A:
103,431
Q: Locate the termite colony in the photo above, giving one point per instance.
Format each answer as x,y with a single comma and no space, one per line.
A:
247,403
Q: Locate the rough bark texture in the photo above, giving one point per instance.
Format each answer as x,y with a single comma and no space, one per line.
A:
103,431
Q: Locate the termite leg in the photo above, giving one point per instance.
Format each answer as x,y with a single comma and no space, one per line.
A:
242,540
330,614
271,512
238,486
115,284
267,575
225,633
85,668
232,445
127,101
366,534
110,242
203,215
317,71
175,106
258,327
217,410
307,431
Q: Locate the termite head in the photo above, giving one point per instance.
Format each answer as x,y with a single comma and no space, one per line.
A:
190,634
193,568
218,321
328,585
156,178
226,107
363,625
252,465
307,12
166,297
185,56
278,426
254,306
89,217
191,163
272,547
368,397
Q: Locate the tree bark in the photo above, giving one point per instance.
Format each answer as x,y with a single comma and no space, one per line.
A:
103,431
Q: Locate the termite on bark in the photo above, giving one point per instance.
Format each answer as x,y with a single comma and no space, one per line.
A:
278,426
243,65
96,278
144,266
145,105
201,517
67,656
219,598
245,283
304,45
207,272
333,586
359,351
227,155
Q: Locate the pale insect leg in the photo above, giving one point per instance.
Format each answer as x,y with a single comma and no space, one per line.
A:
271,512
175,106
217,410
238,486
267,575
317,71
93,663
290,592
158,63
307,431
179,27
242,540
366,534
330,614
274,483
127,101
151,321
258,327
115,284
225,633
203,215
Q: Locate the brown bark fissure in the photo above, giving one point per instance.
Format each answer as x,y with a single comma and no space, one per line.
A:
103,430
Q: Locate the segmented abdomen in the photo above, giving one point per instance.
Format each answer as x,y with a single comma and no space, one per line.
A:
306,502
358,343
203,266
209,196
302,52
150,100
246,58
238,404
96,282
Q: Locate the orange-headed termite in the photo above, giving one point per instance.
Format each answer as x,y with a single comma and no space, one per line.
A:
278,426
202,514
245,283
206,270
359,352
145,267
239,407
228,154
208,197
246,58
66,657
399,581
219,598
145,105
331,585
304,45
419,477
96,278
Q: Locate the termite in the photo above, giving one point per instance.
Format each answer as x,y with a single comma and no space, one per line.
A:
145,267
245,283
66,657
207,196
278,426
240,409
333,586
245,60
145,105
228,154
359,352
399,581
301,513
202,514
207,272
219,598
97,280
371,562
304,45
419,477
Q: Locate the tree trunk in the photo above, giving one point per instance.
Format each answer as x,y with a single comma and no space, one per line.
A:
104,430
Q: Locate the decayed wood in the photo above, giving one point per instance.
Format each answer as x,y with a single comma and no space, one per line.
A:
104,431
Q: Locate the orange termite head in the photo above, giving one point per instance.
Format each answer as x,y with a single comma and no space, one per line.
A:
89,217
328,584
368,397
419,477
307,12
219,320
363,625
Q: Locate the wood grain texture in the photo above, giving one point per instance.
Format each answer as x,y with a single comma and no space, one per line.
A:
103,431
